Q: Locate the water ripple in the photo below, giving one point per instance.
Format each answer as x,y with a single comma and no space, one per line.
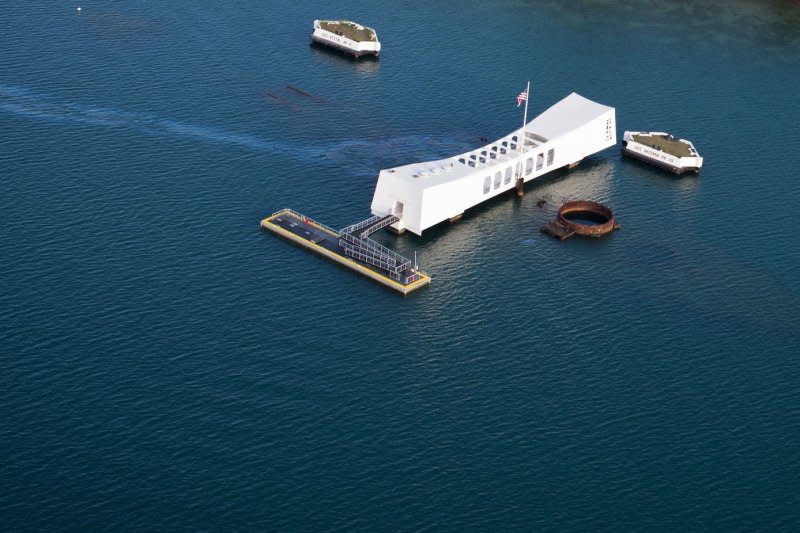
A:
25,102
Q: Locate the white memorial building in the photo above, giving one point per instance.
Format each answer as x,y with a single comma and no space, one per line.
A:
424,194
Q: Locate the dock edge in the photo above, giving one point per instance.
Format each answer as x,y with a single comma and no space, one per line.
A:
268,225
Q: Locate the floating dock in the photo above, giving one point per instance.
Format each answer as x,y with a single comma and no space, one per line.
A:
350,247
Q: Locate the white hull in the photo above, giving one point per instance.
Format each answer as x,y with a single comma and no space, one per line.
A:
425,194
658,157
344,44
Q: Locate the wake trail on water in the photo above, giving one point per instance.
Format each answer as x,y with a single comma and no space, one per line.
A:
24,102
28,103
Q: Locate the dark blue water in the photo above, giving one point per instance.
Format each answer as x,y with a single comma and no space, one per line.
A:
166,365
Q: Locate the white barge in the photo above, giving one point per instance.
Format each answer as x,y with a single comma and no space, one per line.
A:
663,150
423,194
346,36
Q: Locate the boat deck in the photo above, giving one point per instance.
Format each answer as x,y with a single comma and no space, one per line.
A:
325,241
348,29
667,144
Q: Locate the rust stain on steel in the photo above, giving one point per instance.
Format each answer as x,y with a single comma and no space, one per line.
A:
564,227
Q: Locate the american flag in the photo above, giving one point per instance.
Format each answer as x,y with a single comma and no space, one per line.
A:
522,97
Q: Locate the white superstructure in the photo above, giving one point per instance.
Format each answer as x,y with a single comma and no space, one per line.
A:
347,36
424,194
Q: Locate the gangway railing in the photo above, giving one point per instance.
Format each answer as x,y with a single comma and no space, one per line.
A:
355,242
385,262
370,225
384,257
305,219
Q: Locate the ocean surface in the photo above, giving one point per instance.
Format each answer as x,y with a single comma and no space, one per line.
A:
165,365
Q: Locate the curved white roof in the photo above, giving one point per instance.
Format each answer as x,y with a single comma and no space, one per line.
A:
562,117
570,113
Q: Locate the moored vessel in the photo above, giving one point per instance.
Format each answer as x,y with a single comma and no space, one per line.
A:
663,150
347,36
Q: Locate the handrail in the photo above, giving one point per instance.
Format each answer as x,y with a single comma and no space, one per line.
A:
305,218
352,228
355,243
370,225
376,248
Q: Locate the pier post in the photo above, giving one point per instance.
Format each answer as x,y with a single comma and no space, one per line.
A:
520,187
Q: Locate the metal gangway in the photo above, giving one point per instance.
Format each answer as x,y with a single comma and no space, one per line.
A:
355,242
367,227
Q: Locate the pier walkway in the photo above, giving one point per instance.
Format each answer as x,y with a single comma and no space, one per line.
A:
350,247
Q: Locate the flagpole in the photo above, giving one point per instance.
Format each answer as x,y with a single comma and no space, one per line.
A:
524,140
525,115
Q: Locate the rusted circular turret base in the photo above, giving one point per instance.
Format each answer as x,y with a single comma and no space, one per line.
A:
565,226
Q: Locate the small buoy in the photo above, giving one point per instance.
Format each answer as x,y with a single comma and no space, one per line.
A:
78,9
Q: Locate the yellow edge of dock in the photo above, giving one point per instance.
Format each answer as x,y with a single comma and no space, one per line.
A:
267,224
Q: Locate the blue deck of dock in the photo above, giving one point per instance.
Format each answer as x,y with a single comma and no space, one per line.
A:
325,241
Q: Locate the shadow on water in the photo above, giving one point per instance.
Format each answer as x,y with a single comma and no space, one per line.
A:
448,243
368,155
715,283
644,169
772,24
123,26
366,65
